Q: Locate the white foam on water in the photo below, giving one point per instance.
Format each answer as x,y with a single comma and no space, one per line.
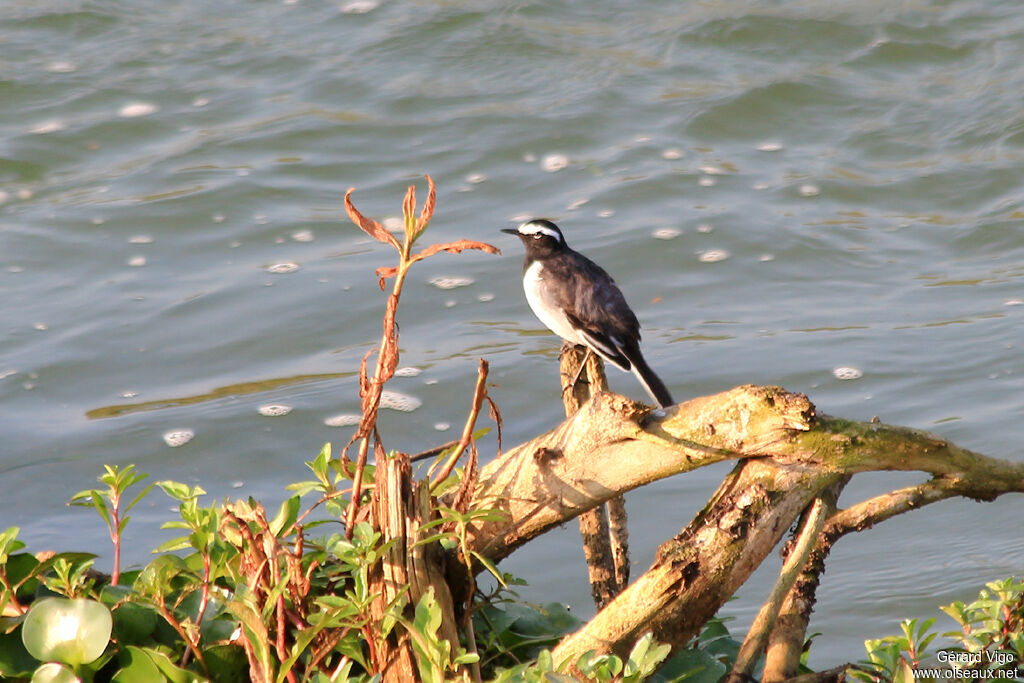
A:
343,420
274,410
713,256
136,109
45,127
393,400
554,162
178,437
359,7
847,373
666,233
451,282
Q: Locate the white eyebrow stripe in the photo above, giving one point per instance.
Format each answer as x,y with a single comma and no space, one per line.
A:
535,228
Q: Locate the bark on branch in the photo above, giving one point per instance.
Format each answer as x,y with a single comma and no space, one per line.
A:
613,445
788,456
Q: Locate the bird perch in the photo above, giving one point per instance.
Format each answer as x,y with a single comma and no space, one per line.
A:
787,455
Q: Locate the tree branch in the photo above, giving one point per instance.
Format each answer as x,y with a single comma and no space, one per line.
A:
788,455
613,445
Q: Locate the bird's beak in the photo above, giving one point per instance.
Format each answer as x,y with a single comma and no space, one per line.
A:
511,231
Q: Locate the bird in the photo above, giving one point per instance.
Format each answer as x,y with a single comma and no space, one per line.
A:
577,300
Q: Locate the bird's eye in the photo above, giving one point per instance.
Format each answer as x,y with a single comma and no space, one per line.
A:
536,235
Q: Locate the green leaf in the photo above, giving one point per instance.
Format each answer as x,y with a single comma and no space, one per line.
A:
179,491
693,666
957,611
15,660
134,622
9,543
490,567
254,631
335,507
83,498
140,496
179,543
303,488
228,663
286,516
155,578
136,667
903,674
302,641
169,669
22,567
320,466
644,658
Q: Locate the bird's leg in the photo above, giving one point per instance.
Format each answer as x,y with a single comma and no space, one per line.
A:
572,368
583,366
567,347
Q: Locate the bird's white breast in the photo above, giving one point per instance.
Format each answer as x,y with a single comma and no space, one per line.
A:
544,306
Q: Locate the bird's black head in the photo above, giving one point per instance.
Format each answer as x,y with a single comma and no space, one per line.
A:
540,236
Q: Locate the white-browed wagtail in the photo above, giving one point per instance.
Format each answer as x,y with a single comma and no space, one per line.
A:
577,300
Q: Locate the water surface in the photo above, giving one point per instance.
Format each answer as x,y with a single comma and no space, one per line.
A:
839,184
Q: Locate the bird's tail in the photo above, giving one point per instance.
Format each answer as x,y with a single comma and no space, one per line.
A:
651,382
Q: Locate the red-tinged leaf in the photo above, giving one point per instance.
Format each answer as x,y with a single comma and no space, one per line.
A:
408,212
364,382
428,208
456,248
384,272
368,225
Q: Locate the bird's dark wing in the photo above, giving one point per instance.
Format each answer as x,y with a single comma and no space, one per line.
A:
594,304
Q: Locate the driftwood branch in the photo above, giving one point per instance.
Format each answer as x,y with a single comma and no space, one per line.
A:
754,644
607,553
789,632
613,445
788,456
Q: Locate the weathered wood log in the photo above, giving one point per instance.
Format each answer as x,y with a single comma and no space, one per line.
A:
399,508
613,445
788,456
698,570
607,554
786,640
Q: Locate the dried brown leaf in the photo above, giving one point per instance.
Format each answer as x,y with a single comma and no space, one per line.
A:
428,208
408,211
368,225
364,382
456,248
384,272
496,416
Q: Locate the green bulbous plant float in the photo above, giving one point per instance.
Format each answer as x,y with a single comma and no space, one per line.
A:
72,632
54,672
